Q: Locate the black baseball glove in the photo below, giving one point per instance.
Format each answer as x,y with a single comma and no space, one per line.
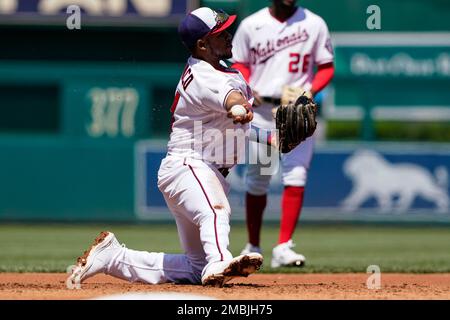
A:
295,122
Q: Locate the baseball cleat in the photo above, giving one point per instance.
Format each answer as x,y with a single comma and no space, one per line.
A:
241,266
94,260
284,256
249,248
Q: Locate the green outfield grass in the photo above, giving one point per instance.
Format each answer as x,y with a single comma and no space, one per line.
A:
51,248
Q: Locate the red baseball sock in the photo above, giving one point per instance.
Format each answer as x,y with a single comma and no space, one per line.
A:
255,206
291,205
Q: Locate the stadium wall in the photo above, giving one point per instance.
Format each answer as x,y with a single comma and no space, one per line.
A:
75,106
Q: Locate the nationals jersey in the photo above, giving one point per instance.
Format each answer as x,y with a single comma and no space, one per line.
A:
201,128
282,53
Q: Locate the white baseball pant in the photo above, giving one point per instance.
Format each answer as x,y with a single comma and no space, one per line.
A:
195,193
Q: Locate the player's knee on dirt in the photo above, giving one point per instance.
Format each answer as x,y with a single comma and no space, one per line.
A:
295,177
178,268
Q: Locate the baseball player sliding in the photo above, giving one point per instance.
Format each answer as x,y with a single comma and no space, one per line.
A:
191,179
277,49
212,106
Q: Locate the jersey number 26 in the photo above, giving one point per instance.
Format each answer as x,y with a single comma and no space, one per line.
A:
295,61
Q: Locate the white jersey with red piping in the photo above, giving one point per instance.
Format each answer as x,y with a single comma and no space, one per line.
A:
200,123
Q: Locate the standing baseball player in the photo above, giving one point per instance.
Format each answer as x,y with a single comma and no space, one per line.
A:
192,175
277,50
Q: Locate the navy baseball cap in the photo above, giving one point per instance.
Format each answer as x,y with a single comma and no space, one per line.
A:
201,22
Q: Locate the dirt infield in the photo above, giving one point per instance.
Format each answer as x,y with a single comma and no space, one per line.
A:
43,286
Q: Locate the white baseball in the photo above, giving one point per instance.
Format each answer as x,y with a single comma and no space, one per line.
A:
238,110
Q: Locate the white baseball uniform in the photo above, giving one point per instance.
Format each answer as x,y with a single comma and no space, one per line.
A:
190,180
281,53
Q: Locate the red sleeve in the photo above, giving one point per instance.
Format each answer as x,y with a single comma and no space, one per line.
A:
244,69
322,78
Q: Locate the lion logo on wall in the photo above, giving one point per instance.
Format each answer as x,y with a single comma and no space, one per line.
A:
373,176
